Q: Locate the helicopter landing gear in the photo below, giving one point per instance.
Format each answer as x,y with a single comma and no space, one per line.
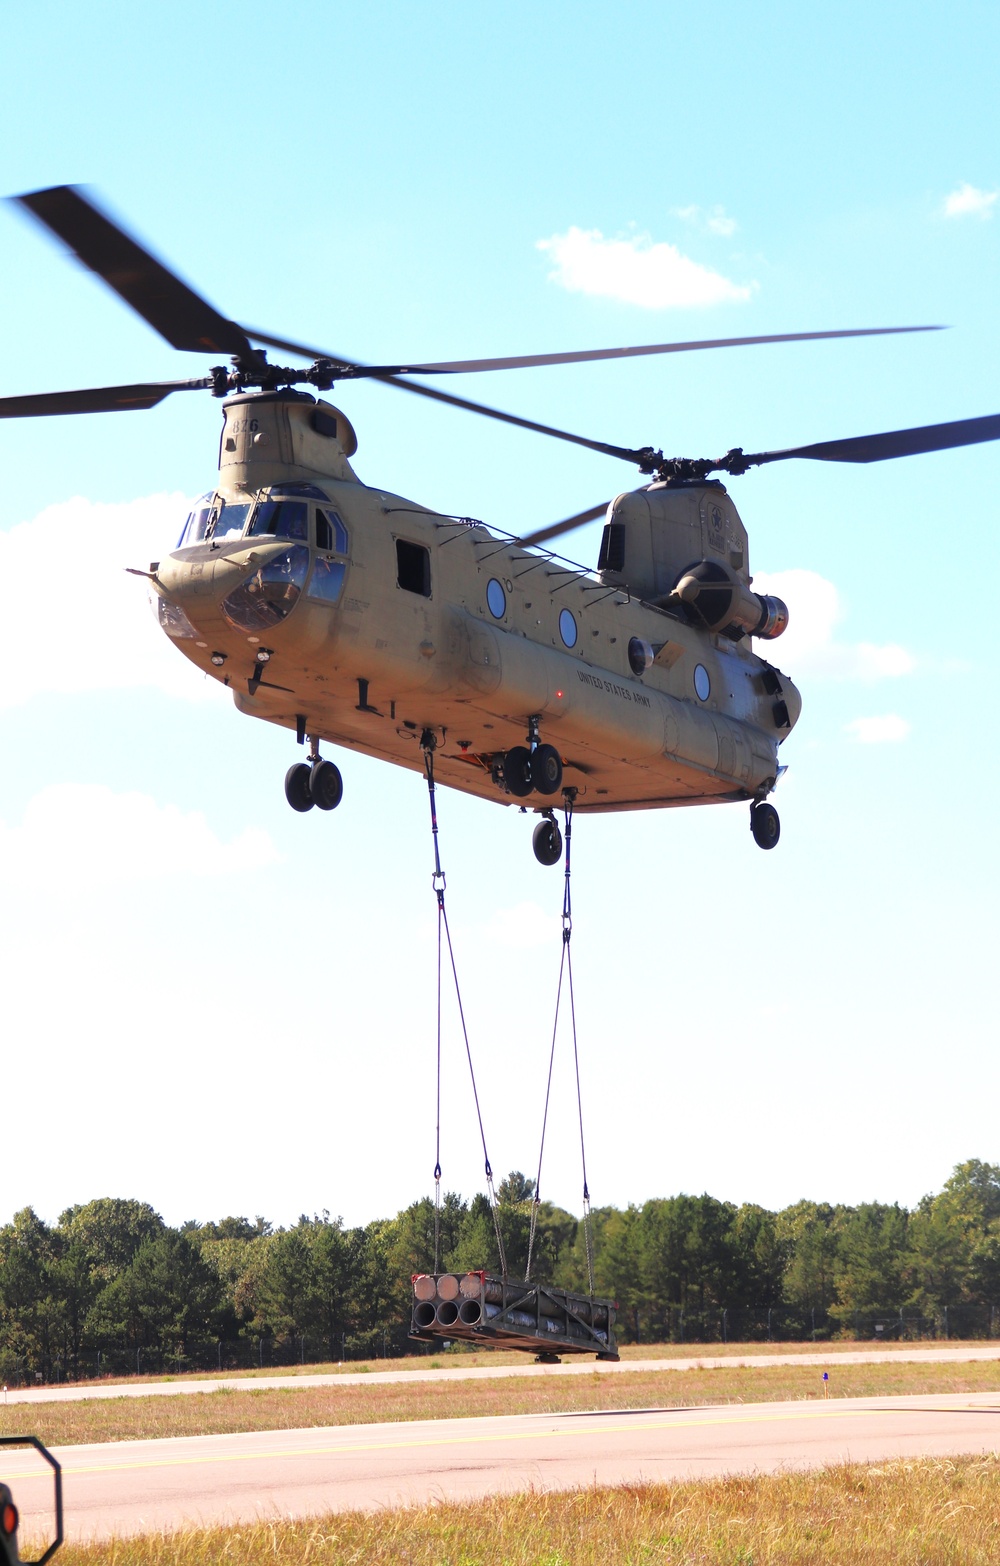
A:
531,768
764,825
297,787
316,782
546,840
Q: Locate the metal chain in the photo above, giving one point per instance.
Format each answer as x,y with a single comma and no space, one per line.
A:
438,882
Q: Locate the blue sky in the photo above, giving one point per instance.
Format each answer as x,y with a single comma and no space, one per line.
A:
219,1006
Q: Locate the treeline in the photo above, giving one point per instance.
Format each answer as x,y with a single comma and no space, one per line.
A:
112,1288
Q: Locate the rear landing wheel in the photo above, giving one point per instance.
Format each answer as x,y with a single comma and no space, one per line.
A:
764,825
546,840
297,787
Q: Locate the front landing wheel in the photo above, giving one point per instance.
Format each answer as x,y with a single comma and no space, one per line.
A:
326,786
297,787
764,825
546,840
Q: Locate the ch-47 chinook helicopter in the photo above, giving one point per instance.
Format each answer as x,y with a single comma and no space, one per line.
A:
354,616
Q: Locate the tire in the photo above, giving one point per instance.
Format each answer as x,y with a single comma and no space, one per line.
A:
546,769
297,787
546,840
765,826
517,772
326,786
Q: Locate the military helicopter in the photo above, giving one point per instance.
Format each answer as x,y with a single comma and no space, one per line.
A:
357,617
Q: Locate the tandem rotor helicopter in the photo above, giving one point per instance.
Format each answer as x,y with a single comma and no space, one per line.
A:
354,616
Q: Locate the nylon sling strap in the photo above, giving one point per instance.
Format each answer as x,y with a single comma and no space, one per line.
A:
428,745
565,967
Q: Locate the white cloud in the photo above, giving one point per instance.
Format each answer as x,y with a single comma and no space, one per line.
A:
82,835
967,201
76,620
810,646
636,271
713,221
886,730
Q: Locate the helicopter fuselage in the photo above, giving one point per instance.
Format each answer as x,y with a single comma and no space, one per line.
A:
358,617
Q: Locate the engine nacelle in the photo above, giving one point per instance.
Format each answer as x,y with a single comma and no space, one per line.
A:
723,602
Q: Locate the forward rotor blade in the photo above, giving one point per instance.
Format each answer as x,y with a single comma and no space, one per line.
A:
893,443
95,399
556,529
535,360
360,370
172,308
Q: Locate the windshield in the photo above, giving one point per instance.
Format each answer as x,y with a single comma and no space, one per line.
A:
281,519
231,520
197,522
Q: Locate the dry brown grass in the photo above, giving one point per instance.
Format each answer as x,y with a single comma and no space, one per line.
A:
460,1356
922,1513
224,1412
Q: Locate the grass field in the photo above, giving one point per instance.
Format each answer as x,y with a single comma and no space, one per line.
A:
295,1408
916,1513
458,1356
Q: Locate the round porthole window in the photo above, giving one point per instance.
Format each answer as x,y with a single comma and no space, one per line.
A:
567,628
496,598
702,683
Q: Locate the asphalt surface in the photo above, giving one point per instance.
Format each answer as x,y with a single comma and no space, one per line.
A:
145,1486
457,1372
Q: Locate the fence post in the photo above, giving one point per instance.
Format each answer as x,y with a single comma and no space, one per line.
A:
725,1326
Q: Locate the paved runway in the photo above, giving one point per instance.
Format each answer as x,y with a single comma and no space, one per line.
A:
455,1371
135,1487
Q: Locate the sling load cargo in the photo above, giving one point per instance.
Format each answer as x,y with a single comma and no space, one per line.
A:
497,1312
482,1307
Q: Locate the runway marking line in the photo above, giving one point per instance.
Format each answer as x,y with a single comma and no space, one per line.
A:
481,1440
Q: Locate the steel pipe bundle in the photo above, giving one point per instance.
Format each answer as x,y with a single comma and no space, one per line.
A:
496,1312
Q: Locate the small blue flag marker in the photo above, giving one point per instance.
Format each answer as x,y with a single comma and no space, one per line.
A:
826,1383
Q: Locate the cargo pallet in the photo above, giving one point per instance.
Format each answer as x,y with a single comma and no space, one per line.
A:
494,1312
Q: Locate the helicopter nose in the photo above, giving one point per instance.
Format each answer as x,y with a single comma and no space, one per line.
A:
207,573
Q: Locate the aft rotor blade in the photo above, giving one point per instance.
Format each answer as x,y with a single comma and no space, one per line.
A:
94,399
389,379
583,356
893,443
172,308
556,529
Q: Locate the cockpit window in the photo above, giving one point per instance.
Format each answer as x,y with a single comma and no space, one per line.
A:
231,520
281,519
331,533
306,491
197,522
